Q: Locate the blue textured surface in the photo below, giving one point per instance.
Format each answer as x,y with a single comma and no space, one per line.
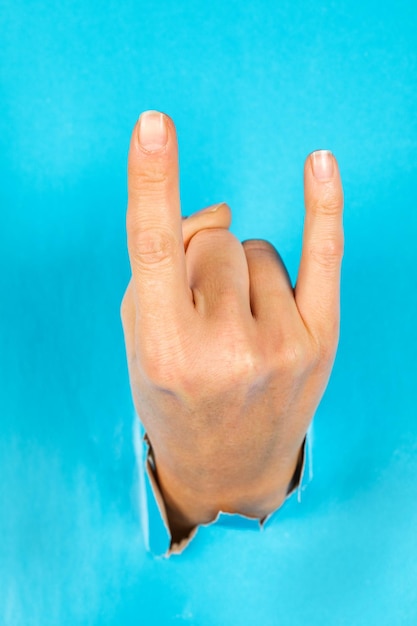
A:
253,88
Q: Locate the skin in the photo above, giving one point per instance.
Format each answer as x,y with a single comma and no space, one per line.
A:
227,361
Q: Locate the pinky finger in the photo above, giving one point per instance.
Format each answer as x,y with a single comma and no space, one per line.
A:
317,291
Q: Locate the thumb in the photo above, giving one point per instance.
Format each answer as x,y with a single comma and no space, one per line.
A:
214,216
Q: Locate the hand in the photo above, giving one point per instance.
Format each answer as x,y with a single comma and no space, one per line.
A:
227,362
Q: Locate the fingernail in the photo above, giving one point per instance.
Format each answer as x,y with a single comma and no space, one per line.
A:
152,131
322,164
214,208
210,209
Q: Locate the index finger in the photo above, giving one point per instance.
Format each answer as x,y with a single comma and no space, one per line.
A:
154,225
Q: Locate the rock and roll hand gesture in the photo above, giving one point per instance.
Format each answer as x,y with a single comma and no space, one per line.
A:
227,361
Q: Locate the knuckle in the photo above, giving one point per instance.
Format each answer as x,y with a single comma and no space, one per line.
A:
153,246
246,365
156,366
241,359
327,353
258,245
165,358
328,345
152,372
328,253
324,346
235,362
329,203
295,356
155,173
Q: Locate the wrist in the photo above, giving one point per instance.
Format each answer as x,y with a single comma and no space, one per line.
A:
189,505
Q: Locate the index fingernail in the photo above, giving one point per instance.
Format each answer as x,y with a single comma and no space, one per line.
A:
322,164
152,131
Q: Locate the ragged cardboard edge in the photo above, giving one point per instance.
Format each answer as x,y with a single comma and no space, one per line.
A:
143,504
150,470
174,548
147,468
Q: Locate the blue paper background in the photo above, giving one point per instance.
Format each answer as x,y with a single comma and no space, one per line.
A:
253,88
